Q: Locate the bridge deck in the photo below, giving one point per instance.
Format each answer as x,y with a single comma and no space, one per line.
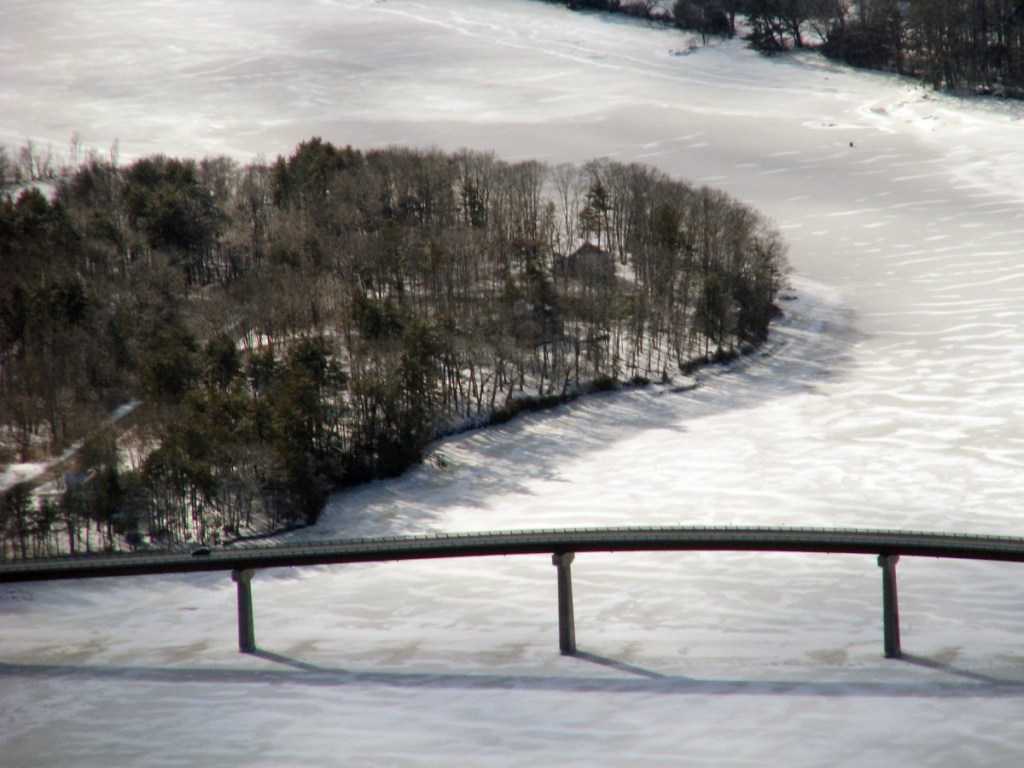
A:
673,538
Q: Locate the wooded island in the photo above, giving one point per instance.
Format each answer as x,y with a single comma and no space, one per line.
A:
289,328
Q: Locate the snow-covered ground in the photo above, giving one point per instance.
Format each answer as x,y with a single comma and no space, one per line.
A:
891,395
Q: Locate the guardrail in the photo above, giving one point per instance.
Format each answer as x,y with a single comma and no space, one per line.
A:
561,544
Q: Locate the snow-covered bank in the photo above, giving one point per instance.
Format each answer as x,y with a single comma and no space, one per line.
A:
893,397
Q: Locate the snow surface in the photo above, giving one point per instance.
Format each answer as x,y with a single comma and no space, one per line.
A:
890,396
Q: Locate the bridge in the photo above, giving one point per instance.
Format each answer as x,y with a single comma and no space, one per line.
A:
562,544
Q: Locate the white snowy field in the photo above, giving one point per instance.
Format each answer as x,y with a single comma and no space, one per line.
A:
891,396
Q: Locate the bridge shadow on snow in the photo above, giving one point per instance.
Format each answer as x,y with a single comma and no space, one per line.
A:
633,679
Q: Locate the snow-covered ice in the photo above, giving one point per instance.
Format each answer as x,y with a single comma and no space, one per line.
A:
891,395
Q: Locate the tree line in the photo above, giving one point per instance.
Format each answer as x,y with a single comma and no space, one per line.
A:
294,327
957,45
949,44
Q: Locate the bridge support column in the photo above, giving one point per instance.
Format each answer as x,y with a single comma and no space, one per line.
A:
890,606
246,628
566,620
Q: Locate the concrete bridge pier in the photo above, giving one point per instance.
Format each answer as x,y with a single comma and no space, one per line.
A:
890,606
246,628
566,620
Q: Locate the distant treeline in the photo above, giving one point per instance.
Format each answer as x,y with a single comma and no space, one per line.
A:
975,45
295,327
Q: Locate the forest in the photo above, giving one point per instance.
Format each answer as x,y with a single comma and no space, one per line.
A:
271,332
955,45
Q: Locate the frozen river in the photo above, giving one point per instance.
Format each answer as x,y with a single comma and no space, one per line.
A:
891,395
